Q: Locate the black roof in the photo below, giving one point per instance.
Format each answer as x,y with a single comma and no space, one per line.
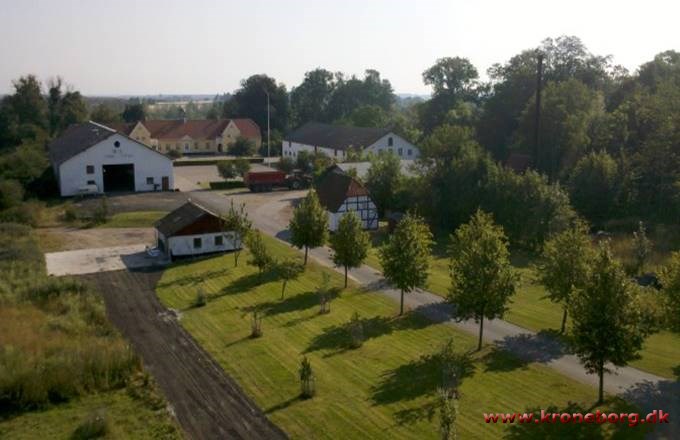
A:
334,186
76,139
335,136
181,217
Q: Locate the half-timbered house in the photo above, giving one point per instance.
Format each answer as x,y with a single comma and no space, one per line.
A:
340,193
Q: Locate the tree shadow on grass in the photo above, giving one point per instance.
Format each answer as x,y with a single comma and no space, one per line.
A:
299,302
579,431
500,360
541,347
283,405
417,378
339,339
246,283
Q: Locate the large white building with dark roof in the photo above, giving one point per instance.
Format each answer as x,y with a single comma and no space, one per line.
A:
335,141
91,157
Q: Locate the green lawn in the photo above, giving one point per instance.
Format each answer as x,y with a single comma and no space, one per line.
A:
385,389
137,219
127,418
530,309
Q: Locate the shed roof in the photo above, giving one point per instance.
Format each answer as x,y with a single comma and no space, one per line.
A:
182,217
335,186
335,136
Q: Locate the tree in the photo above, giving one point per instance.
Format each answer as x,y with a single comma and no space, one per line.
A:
306,379
260,256
236,221
134,112
383,180
367,116
64,108
104,113
226,169
250,101
242,166
288,270
567,258
11,194
286,164
350,243
353,92
594,186
482,279
607,324
405,258
309,101
642,248
670,280
27,103
242,147
309,225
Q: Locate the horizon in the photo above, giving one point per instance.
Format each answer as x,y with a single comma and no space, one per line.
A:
131,49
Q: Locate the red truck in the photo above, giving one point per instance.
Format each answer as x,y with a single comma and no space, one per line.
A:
266,180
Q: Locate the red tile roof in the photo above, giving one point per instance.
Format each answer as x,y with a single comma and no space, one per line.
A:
195,129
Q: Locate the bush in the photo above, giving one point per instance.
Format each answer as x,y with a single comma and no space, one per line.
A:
307,381
256,325
174,154
27,213
286,164
242,166
200,300
11,194
94,426
242,147
101,212
70,214
226,169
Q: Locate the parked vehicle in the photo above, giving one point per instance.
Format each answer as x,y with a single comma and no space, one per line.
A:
260,181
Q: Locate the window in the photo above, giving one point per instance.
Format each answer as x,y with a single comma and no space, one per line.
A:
335,152
116,144
149,180
89,169
400,151
198,243
390,141
409,152
219,240
91,182
186,147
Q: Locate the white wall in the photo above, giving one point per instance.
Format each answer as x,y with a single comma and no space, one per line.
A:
184,244
367,212
399,145
73,175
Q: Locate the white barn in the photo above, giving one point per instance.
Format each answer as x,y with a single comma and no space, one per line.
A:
340,193
335,141
91,157
192,230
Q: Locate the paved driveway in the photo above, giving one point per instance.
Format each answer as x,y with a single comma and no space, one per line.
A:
84,261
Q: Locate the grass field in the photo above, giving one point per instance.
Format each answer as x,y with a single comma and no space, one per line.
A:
384,389
127,418
532,310
136,219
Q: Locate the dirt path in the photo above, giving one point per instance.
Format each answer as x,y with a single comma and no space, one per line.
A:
208,403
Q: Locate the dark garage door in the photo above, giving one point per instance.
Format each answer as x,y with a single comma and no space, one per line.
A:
119,177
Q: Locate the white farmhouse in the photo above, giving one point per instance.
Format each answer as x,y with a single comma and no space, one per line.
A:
191,230
340,193
91,157
335,141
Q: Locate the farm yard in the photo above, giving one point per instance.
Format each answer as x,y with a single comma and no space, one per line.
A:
384,389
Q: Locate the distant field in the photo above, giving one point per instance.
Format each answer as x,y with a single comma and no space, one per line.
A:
385,389
530,309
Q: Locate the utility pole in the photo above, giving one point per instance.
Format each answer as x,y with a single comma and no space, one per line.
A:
537,122
268,132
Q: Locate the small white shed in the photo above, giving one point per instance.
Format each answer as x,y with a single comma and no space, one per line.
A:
192,230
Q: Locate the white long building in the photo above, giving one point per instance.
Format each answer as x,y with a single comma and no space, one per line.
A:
335,141
91,157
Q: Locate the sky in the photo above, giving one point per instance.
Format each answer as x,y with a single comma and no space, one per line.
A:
135,47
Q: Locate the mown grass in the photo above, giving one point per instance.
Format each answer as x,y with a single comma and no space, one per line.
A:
136,219
384,389
532,310
56,345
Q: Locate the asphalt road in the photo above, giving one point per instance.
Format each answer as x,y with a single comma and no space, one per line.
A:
270,214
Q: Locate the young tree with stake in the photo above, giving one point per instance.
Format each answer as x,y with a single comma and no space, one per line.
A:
350,243
482,280
288,270
566,262
607,321
260,256
309,225
405,258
